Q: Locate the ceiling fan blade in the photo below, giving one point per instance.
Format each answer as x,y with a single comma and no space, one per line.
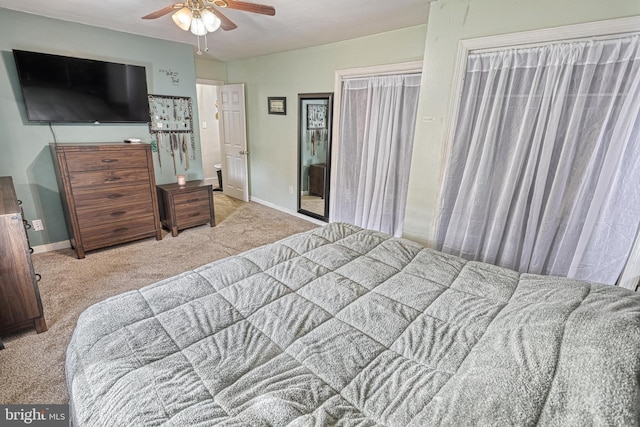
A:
163,11
250,7
226,23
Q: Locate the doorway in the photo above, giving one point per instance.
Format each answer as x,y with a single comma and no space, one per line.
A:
207,95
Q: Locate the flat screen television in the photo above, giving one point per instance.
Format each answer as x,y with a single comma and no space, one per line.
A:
64,89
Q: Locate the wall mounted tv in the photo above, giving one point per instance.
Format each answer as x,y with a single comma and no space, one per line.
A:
63,89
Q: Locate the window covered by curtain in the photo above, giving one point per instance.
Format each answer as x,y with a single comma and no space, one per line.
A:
377,123
544,168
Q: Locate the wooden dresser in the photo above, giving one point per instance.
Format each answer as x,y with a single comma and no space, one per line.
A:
20,304
108,193
186,206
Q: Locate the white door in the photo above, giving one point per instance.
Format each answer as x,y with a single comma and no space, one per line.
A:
233,137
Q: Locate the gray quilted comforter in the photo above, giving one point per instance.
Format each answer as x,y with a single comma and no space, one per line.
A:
344,326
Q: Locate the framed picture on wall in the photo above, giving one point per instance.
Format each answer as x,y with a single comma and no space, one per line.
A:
277,105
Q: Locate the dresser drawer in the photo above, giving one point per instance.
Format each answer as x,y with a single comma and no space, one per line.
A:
118,232
90,217
108,177
105,160
88,197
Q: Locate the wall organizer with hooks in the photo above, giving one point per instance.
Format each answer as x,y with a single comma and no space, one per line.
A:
171,127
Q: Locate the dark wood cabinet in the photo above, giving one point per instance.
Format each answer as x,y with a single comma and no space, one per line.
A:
20,304
108,193
186,206
317,174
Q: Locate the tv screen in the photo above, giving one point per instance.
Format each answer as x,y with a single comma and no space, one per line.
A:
65,89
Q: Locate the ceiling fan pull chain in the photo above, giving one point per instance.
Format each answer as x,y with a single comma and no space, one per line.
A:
199,52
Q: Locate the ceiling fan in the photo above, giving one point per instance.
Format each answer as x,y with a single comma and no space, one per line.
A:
204,16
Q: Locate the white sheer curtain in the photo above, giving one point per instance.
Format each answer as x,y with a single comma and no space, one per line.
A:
544,171
377,124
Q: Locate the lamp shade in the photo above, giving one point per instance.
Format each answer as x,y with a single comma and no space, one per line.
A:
211,21
197,27
182,18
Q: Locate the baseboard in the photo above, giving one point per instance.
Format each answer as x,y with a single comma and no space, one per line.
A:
65,244
287,211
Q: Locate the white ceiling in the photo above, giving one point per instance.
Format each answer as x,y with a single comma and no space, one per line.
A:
297,23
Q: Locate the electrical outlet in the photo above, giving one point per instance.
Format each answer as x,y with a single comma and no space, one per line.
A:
204,125
291,189
37,225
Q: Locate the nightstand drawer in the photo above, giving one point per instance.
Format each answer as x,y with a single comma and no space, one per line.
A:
193,212
105,160
192,197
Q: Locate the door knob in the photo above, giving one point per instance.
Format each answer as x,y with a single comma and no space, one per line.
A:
244,152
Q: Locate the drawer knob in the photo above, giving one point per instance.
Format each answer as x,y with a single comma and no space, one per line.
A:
194,214
193,200
114,196
120,230
109,160
118,213
112,179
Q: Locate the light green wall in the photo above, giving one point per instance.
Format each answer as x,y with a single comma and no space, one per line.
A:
24,151
211,70
449,22
272,139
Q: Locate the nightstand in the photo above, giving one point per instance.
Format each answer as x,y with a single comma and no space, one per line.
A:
317,174
187,206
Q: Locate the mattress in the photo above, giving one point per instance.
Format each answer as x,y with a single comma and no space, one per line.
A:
346,326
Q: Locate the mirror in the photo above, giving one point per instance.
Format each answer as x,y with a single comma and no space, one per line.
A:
315,111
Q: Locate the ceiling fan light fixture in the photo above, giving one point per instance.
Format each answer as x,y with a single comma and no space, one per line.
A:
211,21
183,18
201,18
197,27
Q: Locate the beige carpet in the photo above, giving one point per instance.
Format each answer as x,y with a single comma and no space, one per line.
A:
312,204
32,365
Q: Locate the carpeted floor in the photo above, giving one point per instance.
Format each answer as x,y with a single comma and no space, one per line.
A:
32,365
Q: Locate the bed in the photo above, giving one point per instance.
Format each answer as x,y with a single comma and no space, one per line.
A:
346,326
